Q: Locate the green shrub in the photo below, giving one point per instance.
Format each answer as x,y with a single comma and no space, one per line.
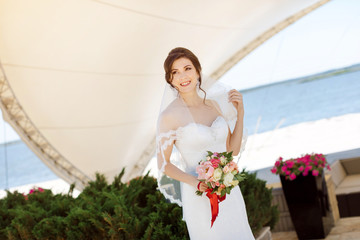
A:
133,210
258,199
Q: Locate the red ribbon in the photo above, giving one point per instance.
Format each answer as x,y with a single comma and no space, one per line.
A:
214,203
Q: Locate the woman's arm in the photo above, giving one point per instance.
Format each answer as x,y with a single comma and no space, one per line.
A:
234,139
174,172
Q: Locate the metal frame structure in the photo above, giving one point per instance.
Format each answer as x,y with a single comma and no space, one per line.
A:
14,114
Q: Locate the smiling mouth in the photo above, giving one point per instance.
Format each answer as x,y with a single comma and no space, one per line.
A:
184,84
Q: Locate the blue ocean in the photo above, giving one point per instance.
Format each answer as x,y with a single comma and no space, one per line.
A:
300,100
266,108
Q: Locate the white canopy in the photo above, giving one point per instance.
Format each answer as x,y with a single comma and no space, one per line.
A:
81,81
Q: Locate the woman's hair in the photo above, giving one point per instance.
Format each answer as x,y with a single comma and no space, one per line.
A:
175,54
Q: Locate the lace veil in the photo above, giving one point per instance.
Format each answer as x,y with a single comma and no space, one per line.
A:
181,115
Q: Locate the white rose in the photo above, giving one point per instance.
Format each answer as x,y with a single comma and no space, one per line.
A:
222,160
217,174
228,179
235,182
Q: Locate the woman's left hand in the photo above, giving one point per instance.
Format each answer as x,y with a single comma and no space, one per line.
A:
236,99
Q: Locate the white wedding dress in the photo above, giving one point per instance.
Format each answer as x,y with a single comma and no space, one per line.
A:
232,221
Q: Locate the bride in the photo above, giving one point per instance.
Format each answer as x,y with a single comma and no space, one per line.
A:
192,122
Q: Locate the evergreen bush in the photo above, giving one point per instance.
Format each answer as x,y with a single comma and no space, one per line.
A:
258,200
133,210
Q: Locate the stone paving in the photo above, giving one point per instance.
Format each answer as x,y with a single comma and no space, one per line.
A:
345,229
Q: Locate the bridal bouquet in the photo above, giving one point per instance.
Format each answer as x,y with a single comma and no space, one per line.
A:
221,174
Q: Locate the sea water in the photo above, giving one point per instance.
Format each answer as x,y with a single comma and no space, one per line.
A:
288,103
266,108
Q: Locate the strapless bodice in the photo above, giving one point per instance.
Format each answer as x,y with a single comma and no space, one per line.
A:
195,139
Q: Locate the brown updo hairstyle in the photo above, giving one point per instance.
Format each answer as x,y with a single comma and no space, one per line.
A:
175,54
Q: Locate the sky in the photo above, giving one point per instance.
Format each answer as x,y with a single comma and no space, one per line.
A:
327,38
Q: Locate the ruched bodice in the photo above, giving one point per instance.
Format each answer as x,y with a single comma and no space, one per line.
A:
194,140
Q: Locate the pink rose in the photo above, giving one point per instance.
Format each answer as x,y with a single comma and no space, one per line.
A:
226,169
215,162
201,171
217,184
315,172
301,168
287,172
277,163
283,168
273,170
233,166
209,172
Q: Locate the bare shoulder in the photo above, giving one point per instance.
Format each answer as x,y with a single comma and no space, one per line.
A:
214,104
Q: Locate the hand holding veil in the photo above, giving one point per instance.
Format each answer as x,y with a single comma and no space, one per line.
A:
174,116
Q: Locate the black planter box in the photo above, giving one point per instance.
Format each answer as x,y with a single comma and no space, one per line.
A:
308,205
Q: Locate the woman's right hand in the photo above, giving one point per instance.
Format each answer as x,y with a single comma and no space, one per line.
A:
202,186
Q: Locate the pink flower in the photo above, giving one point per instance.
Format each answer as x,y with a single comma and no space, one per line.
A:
209,172
305,173
315,172
215,154
25,196
217,184
292,176
273,170
226,169
287,172
277,163
301,168
201,171
215,162
308,168
328,167
40,189
290,164
233,166
283,168
222,186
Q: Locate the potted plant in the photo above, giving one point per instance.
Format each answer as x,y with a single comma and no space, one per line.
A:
305,191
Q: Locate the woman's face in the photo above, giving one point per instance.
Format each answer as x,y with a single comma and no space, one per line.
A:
184,75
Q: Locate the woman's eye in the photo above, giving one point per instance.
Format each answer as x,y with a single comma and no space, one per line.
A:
188,68
173,73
